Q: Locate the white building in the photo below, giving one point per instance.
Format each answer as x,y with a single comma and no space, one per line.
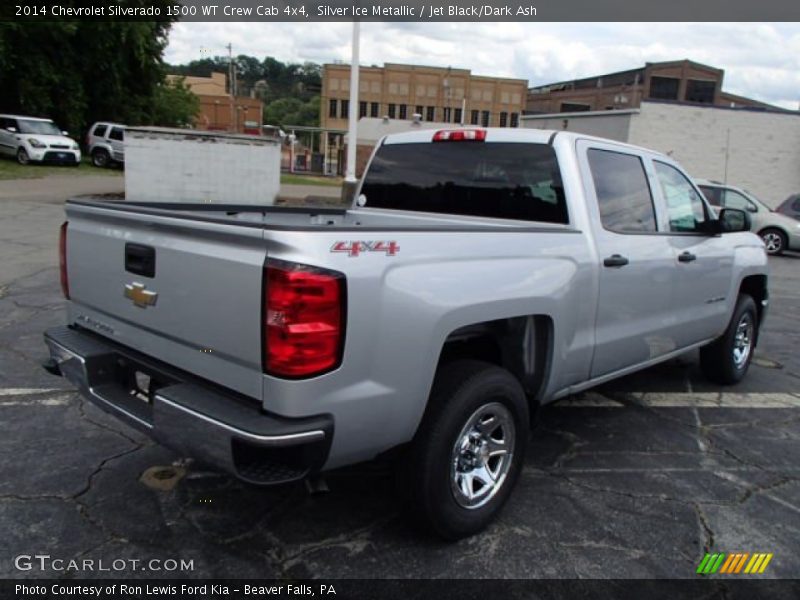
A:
755,149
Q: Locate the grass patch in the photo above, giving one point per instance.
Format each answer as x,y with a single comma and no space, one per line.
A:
11,169
292,179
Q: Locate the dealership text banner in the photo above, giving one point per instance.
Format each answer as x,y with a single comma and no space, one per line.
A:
407,10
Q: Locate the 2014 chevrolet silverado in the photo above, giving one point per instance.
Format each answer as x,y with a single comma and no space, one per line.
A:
480,274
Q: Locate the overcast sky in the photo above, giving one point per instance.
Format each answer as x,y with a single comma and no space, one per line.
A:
761,60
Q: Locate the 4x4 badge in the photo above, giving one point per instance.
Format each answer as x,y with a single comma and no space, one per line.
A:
140,296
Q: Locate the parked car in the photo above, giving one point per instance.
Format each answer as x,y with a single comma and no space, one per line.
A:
790,207
105,144
480,274
30,139
778,231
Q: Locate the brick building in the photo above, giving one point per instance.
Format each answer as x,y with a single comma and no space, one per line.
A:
217,111
681,80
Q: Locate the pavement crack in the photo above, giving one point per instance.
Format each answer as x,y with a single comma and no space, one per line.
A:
82,411
708,533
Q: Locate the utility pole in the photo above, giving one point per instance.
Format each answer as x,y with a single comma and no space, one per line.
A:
231,85
350,181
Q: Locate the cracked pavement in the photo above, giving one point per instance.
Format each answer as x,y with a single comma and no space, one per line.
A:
630,479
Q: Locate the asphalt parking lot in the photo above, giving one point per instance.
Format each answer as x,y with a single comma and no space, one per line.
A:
638,478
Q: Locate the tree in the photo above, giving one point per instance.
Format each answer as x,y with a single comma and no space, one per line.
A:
78,72
174,104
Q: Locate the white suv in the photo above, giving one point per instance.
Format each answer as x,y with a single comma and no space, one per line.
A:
105,144
30,139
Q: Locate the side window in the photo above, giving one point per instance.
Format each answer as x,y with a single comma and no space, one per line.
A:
736,200
796,205
623,194
100,130
712,194
116,134
685,207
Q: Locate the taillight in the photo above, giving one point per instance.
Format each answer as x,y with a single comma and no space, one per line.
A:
460,135
304,319
62,260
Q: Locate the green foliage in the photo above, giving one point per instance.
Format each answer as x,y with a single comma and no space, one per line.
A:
174,105
85,71
290,91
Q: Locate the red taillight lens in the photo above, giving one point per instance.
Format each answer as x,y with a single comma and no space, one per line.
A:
62,260
304,309
460,135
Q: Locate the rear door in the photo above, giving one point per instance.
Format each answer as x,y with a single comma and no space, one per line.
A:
703,261
8,142
634,317
115,138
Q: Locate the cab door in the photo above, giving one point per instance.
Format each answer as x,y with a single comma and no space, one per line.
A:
703,261
633,317
116,139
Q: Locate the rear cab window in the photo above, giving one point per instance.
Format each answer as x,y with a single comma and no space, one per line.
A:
116,133
100,130
502,180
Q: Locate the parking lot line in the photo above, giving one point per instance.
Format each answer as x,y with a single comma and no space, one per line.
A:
26,391
687,400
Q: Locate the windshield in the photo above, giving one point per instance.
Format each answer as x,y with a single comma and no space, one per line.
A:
498,180
40,127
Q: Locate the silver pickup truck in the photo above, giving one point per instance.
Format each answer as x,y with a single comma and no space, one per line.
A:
480,274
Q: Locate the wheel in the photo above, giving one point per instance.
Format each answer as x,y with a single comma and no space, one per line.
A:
469,449
727,359
22,157
101,158
774,240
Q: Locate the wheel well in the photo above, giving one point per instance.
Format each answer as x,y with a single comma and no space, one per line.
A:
522,345
775,227
755,286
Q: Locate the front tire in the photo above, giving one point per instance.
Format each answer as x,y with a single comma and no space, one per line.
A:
726,360
774,241
22,157
469,449
101,158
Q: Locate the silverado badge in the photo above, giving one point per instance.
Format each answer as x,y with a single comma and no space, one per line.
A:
140,296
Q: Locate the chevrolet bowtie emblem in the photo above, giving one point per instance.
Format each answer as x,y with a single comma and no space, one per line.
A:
140,296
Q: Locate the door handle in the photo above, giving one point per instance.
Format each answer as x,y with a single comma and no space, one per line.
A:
615,260
686,257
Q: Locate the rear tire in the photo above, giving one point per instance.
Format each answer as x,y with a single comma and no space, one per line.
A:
726,360
101,158
468,452
774,240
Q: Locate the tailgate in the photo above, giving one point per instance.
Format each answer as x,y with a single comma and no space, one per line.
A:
198,308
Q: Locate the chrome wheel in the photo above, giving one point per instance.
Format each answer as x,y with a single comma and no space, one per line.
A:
773,241
743,341
482,455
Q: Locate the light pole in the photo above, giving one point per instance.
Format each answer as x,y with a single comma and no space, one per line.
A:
350,181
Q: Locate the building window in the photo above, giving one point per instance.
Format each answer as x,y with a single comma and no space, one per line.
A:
403,111
374,109
664,88
332,108
515,119
430,113
362,109
418,110
392,110
574,107
700,91
447,114
503,119
473,117
485,117
458,115
344,108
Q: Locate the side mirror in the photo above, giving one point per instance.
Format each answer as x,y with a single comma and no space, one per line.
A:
732,220
65,133
11,129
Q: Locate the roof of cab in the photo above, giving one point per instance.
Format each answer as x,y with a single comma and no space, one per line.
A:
6,116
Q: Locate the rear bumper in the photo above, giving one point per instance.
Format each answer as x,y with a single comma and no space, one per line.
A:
188,414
